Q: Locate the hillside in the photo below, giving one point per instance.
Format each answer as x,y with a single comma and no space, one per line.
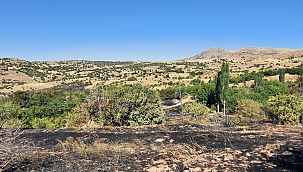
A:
250,51
16,74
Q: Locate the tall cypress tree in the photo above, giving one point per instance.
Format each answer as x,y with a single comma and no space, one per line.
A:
222,83
258,78
282,75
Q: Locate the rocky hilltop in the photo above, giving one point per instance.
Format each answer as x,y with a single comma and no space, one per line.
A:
213,52
220,53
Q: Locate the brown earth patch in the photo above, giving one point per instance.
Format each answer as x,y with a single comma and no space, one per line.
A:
175,147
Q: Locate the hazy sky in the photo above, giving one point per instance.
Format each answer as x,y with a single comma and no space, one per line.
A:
157,30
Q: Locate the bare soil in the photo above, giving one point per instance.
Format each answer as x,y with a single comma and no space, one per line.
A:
176,147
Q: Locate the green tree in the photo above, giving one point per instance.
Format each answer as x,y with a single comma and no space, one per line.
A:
222,83
196,82
233,95
258,79
132,78
281,75
173,92
127,105
169,92
287,109
268,88
249,111
202,92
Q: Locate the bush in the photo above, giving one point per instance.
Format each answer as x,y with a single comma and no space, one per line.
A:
47,123
8,111
79,117
170,92
197,110
132,78
233,95
249,111
41,107
12,123
241,128
287,109
127,105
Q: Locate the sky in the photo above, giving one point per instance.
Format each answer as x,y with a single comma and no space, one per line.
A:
147,30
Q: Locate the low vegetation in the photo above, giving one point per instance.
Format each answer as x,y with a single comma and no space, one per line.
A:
287,109
197,110
249,111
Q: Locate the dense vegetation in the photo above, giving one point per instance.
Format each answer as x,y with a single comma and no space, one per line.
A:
127,105
275,101
134,104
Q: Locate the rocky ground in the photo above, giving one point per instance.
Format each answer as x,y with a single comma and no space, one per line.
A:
176,147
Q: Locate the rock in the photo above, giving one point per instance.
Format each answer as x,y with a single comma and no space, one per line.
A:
159,140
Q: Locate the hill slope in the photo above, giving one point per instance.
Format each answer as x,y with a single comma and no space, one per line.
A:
22,75
251,51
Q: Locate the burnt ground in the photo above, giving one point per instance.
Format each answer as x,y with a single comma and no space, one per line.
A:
175,147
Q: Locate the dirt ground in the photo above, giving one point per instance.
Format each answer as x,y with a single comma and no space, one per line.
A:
174,147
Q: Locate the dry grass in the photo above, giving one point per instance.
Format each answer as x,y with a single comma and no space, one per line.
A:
237,63
98,147
175,147
9,149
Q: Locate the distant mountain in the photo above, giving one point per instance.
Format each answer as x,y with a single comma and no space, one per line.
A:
220,53
213,52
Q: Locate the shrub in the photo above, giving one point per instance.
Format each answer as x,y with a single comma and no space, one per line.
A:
45,106
173,92
286,109
241,128
197,110
249,111
12,123
79,117
233,95
8,111
127,105
132,78
47,123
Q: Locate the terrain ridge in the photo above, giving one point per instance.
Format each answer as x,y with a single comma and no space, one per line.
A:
252,51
